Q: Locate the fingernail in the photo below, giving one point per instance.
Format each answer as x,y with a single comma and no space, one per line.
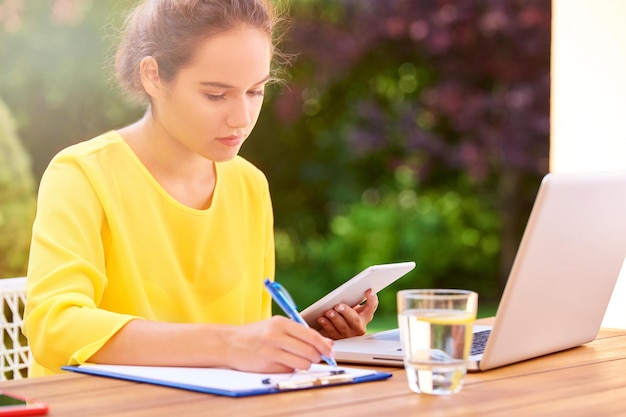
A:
340,308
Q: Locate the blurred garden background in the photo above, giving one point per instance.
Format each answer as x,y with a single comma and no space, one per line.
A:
405,130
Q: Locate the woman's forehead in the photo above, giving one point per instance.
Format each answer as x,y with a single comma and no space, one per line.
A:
235,56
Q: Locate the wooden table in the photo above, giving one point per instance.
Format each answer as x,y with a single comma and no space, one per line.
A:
589,380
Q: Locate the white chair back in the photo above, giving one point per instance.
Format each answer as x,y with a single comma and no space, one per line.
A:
15,356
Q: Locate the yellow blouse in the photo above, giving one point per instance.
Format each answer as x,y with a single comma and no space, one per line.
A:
110,245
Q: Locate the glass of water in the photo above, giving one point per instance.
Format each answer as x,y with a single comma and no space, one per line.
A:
436,333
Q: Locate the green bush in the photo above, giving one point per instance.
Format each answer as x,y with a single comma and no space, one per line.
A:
451,232
17,199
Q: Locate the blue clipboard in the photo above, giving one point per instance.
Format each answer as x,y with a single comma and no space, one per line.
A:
230,383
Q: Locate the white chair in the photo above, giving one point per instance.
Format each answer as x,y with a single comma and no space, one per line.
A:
15,356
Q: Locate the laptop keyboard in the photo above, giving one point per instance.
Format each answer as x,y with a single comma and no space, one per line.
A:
479,342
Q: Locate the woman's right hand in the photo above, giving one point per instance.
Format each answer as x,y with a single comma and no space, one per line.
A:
275,345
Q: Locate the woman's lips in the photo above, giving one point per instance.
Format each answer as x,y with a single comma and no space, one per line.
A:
231,140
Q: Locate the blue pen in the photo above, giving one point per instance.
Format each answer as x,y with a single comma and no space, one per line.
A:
285,302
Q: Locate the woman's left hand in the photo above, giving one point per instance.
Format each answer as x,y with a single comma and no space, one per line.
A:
344,321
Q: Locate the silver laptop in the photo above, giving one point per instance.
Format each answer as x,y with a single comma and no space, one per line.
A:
559,286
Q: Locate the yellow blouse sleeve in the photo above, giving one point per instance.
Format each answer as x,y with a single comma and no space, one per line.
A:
66,273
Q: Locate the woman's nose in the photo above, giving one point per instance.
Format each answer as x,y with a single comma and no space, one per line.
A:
239,114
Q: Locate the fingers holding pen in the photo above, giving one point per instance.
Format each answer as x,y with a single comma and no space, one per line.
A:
303,341
277,345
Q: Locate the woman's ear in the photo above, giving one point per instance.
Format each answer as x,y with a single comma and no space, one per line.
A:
150,80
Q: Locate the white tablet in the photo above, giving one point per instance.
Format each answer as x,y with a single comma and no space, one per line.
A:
352,292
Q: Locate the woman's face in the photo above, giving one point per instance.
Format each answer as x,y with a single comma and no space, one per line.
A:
213,103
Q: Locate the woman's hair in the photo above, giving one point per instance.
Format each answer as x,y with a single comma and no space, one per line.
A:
170,31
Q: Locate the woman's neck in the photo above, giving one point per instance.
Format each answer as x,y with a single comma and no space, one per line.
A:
185,175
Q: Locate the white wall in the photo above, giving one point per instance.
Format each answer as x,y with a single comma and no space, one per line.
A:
588,103
588,85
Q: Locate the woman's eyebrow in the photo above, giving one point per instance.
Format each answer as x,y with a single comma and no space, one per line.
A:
218,84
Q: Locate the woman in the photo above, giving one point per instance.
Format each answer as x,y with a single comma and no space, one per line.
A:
151,242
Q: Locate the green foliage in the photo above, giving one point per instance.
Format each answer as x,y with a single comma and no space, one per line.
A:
451,234
389,101
17,199
57,74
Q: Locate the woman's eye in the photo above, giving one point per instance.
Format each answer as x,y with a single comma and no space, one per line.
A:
215,97
221,97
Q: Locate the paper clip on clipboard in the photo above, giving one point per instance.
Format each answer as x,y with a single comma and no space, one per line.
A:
307,380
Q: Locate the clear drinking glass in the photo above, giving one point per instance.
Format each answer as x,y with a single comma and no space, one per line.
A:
436,332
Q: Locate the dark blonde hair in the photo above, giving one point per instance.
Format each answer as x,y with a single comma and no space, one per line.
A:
170,31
